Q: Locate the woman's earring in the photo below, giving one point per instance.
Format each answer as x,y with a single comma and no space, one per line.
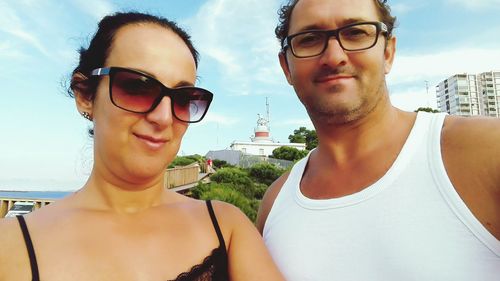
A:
86,115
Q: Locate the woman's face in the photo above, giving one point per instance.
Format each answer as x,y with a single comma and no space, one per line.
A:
136,148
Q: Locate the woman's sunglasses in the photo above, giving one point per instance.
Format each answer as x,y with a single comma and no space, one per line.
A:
137,92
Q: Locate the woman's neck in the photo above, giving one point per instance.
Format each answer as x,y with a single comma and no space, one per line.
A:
106,196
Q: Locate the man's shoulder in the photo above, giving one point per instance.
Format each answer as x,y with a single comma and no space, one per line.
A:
471,129
268,200
470,148
472,141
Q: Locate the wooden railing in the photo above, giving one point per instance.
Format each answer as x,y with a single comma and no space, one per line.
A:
182,175
7,203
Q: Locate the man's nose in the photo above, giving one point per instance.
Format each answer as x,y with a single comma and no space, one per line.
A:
334,54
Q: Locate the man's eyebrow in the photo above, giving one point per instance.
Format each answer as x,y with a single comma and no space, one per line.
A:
344,22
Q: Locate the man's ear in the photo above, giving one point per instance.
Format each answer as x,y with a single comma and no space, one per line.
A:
284,66
389,53
83,99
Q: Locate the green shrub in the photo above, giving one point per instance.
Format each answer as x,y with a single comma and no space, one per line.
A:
222,164
197,191
265,173
222,192
184,161
259,190
236,178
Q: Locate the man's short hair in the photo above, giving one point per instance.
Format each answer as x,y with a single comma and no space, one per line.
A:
285,13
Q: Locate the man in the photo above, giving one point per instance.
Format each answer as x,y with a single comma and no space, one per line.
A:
387,194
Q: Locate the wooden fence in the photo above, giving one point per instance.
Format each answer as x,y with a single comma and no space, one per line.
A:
181,175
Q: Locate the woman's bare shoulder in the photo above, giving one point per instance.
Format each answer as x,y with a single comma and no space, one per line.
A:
230,218
13,255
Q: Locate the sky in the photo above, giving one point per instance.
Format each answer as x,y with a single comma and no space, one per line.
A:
43,140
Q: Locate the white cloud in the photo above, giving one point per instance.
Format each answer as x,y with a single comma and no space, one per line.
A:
416,68
95,8
15,19
305,122
9,51
238,35
477,4
213,117
411,98
403,8
407,80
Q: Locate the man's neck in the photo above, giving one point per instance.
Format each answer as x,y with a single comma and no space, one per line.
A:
353,156
342,143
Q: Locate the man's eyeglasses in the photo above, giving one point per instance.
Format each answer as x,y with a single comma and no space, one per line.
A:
137,92
353,37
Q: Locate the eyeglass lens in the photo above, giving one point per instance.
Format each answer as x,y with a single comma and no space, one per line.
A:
351,38
138,93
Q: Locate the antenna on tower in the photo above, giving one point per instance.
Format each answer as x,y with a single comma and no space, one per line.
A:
268,114
427,91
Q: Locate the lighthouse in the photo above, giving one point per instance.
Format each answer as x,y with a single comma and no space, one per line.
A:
262,132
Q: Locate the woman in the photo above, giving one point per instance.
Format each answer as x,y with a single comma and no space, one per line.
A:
135,83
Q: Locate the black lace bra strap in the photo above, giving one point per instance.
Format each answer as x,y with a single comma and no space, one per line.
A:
29,247
216,224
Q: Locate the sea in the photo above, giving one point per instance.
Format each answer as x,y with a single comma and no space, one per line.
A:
34,194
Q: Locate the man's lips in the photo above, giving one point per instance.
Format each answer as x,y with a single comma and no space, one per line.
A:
332,78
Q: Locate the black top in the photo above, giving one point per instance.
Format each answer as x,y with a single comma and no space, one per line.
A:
213,267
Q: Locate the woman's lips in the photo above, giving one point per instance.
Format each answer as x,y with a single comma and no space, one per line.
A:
152,142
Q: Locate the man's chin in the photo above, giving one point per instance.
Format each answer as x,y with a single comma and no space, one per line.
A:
335,114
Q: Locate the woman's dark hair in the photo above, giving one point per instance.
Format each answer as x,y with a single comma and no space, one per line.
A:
96,54
285,14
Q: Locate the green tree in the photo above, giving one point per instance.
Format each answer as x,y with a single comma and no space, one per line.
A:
427,109
289,153
303,135
311,140
299,135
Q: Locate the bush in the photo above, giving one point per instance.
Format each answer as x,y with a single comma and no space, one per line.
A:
221,164
197,191
259,190
265,173
236,178
185,160
222,192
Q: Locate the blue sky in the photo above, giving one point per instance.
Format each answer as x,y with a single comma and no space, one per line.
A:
43,141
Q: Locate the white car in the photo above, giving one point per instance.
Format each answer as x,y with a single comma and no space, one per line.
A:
20,208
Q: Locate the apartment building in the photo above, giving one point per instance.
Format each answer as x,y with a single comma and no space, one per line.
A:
470,94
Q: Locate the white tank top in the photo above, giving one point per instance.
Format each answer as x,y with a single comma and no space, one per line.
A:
409,225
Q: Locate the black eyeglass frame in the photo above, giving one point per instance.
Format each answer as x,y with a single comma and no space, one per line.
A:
165,91
381,28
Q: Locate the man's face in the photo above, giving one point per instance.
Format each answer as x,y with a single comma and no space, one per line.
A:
338,86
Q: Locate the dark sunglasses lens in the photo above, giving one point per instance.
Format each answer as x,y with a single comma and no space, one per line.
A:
133,91
190,104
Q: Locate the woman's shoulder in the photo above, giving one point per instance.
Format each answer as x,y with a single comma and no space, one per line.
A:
226,215
13,255
231,219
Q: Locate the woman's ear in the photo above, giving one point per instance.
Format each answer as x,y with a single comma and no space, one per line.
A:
83,99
